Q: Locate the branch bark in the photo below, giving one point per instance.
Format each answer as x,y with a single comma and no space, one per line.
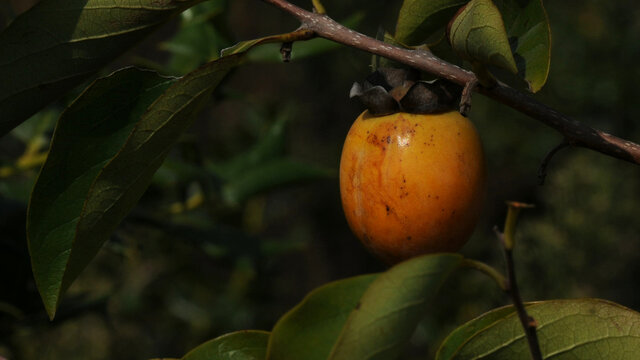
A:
577,133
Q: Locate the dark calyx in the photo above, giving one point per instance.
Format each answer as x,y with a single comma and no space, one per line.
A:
389,90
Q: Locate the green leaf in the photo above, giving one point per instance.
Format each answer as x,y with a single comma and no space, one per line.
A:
247,45
391,308
460,335
240,345
267,175
310,329
97,171
567,329
58,44
88,135
530,37
477,34
418,19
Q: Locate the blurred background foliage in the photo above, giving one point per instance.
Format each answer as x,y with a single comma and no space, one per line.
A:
244,218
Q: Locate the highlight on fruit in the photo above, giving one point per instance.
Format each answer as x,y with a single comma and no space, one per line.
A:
412,170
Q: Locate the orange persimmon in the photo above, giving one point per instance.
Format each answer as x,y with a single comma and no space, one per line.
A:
412,184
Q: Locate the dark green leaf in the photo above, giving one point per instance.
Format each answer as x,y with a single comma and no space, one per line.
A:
418,19
310,329
477,33
391,308
567,329
88,135
530,36
265,176
97,170
58,44
240,345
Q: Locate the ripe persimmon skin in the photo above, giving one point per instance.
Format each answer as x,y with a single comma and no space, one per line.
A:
412,184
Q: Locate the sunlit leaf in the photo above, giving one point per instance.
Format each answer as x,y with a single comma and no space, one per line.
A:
567,329
240,345
58,44
391,308
418,19
477,33
310,329
99,166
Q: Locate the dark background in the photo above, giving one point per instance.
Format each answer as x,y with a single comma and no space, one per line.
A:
170,280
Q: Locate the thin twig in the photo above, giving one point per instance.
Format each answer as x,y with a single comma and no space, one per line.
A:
578,133
528,323
507,238
465,99
542,170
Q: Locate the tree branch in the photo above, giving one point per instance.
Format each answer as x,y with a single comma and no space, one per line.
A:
575,132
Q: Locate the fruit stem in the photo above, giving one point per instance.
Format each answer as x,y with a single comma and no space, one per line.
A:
529,324
489,271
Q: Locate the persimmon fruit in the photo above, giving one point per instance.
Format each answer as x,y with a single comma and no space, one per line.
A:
412,184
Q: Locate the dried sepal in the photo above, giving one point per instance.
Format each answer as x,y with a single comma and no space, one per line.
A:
390,90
